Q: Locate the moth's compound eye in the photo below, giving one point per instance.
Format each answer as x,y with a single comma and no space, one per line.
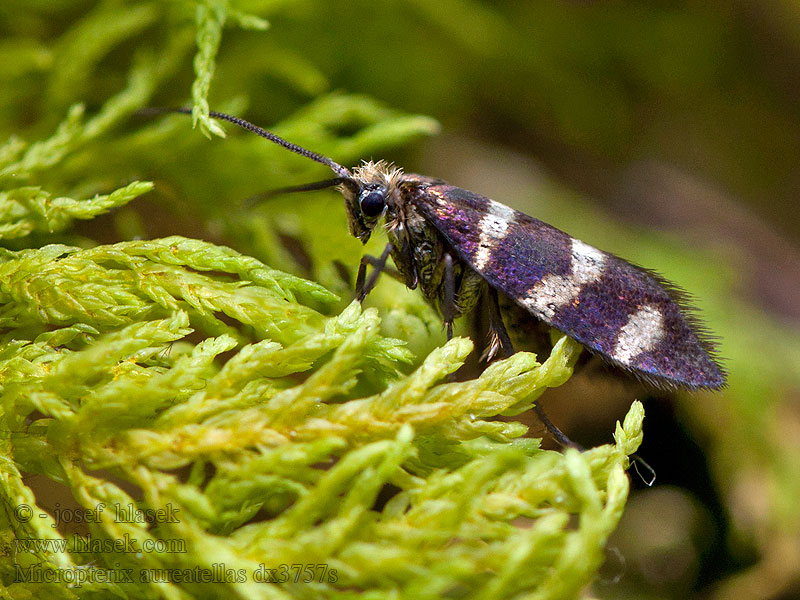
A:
372,203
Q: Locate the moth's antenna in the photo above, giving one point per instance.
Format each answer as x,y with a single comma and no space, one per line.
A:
306,187
335,167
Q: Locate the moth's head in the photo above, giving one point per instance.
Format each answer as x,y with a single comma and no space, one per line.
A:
368,195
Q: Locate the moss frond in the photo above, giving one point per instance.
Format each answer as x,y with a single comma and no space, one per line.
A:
116,359
29,209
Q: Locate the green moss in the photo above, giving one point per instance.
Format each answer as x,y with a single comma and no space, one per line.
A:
277,453
273,421
28,209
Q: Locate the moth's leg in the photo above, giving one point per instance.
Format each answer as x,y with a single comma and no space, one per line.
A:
379,264
559,435
498,329
390,271
499,340
449,300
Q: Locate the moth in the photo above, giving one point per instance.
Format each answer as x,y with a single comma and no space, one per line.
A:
459,248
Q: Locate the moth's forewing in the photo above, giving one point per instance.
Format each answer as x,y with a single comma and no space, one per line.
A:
630,316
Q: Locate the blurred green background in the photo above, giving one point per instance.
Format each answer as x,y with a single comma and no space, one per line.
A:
666,132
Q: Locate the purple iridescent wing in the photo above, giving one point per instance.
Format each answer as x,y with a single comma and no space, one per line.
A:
628,315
